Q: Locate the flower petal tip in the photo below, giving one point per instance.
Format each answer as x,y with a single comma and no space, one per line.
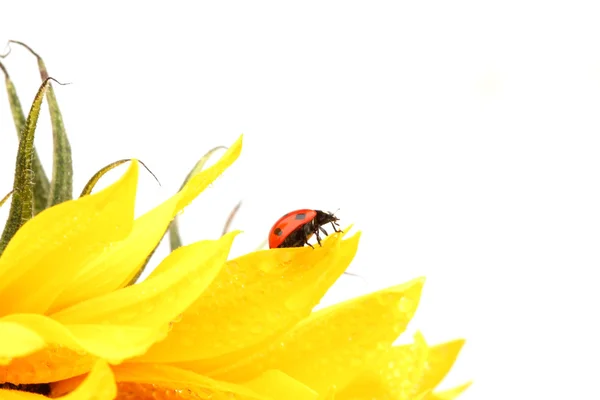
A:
237,145
347,229
234,233
451,394
420,280
347,234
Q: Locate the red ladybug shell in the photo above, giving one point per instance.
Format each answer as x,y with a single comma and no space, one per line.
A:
288,224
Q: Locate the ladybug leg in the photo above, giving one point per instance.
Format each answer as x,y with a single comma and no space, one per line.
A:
335,228
323,230
318,237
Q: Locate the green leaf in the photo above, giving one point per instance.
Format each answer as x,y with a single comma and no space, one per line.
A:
41,184
61,187
174,237
21,206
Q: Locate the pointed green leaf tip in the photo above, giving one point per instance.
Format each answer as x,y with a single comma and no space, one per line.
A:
61,187
21,207
41,184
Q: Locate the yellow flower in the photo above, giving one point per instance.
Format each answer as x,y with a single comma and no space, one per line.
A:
200,326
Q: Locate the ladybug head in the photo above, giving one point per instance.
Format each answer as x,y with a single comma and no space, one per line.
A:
324,217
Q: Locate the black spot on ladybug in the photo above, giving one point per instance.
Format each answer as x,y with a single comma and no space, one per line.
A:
278,232
300,216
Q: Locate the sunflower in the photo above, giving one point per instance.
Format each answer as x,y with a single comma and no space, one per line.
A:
75,324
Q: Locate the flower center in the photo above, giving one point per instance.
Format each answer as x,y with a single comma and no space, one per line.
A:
39,388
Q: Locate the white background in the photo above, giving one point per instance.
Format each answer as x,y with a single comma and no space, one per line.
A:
460,137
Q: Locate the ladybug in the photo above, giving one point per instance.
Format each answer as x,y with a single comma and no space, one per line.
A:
296,227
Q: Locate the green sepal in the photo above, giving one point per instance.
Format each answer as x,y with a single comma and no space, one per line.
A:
41,186
61,186
94,179
21,206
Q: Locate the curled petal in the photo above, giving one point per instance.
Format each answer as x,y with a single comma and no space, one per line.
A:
254,299
49,250
70,350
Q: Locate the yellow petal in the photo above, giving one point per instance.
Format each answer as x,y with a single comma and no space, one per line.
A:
161,300
254,299
119,263
98,385
275,384
334,344
72,350
421,396
201,180
449,394
49,250
17,341
156,381
393,375
329,394
440,361
404,372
